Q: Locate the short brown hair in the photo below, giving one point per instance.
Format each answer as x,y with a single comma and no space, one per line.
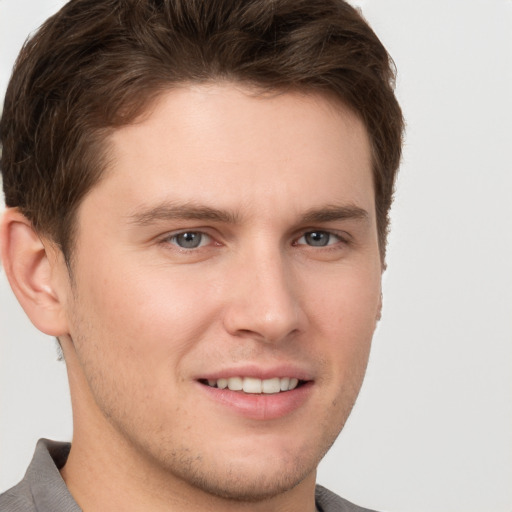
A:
97,64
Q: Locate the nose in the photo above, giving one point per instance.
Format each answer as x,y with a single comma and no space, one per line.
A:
264,302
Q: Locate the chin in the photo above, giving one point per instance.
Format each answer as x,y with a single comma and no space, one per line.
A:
247,471
247,485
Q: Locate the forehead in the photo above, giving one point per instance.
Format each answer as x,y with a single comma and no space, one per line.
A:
224,143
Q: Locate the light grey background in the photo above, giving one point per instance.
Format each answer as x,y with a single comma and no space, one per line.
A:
432,430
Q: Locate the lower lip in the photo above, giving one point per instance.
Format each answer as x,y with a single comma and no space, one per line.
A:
260,406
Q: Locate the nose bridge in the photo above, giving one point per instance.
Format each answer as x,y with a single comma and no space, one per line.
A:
264,303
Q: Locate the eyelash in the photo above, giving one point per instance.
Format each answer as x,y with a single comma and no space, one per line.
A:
173,239
328,245
343,240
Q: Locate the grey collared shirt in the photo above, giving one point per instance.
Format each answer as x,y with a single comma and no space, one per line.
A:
43,489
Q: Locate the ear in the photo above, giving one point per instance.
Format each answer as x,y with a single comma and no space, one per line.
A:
379,308
34,272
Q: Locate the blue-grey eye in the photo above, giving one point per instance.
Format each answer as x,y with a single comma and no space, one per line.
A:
318,238
190,239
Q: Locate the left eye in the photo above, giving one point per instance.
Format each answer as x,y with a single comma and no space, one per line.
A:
318,239
190,239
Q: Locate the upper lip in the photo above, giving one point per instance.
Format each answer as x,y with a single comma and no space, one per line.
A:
259,372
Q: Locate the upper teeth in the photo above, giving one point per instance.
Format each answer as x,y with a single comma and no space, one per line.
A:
253,385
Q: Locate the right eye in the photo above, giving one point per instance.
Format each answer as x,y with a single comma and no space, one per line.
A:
190,239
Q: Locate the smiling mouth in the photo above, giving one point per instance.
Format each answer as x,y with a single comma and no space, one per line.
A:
254,385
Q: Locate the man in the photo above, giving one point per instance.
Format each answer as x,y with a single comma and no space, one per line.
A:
198,197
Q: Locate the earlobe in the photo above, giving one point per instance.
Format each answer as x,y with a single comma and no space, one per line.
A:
30,267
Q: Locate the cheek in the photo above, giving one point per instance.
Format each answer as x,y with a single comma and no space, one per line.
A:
139,326
348,303
345,314
132,332
150,305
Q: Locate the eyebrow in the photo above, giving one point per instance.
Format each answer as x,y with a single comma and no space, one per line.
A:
186,211
189,211
335,212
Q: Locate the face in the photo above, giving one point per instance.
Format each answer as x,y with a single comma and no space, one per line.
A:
226,286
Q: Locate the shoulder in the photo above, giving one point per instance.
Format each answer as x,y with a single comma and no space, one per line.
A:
42,489
17,499
327,501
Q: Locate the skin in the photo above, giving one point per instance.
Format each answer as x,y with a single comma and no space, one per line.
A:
143,320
